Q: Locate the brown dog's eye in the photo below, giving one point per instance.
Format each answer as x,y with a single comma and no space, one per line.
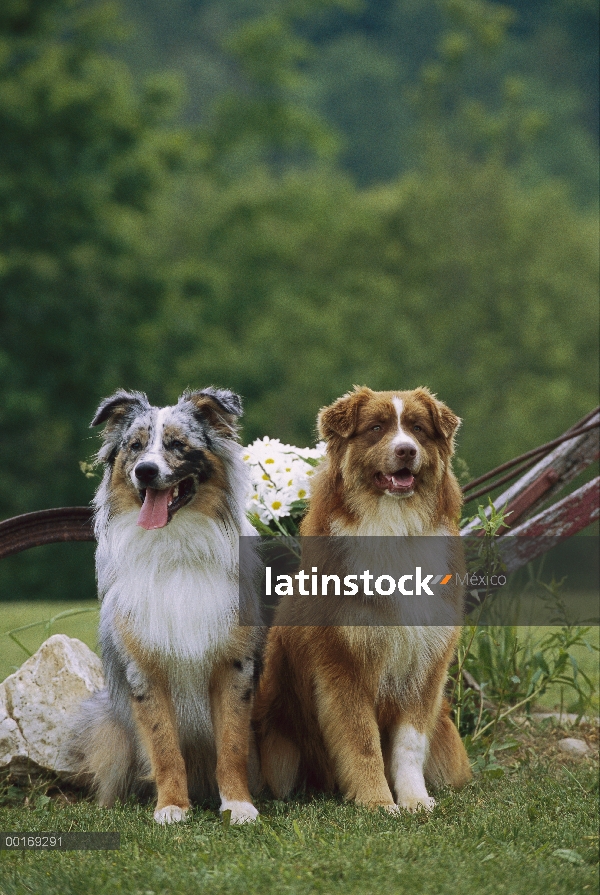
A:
376,428
417,429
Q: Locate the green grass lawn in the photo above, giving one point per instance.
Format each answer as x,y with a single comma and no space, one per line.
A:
532,830
528,823
588,662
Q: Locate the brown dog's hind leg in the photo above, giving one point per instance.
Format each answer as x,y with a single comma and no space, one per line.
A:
447,763
231,694
276,713
280,762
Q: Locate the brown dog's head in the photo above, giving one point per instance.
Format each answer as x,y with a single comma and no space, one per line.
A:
394,443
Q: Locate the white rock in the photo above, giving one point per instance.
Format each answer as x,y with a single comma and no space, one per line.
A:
37,701
12,744
573,746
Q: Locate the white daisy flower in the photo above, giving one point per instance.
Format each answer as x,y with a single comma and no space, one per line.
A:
280,476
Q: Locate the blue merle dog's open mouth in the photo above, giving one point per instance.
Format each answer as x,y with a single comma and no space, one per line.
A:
159,506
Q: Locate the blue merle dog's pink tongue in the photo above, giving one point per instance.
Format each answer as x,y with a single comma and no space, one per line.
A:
155,509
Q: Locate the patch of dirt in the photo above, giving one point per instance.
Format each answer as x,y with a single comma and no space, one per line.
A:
538,742
29,790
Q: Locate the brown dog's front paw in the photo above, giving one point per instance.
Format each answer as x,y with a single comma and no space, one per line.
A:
392,809
377,801
417,803
241,812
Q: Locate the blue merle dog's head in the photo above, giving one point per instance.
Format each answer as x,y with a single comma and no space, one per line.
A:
162,459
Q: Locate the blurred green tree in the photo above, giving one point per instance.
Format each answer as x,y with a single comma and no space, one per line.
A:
360,60
292,284
81,152
456,277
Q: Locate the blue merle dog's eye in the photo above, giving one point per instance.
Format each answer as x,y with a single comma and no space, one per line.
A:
136,445
177,444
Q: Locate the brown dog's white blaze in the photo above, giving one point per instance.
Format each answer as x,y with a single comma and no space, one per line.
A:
404,457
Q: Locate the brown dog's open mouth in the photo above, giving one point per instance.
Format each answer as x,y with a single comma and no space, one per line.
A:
159,507
400,482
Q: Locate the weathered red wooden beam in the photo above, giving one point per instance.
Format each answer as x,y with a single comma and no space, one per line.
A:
537,486
534,537
589,422
527,498
45,527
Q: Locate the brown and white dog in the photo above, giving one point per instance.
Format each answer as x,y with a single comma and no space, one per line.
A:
361,707
180,671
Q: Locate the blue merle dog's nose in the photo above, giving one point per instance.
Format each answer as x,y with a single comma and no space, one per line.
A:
146,472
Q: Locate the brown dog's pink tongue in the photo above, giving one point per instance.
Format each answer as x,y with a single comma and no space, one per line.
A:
155,509
403,481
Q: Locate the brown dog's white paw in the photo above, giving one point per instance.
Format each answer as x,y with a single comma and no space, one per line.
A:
170,814
417,803
391,809
241,812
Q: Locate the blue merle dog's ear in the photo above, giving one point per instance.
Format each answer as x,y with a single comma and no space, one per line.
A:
226,399
117,412
219,405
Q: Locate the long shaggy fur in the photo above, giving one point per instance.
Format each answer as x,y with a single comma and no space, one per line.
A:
360,707
180,671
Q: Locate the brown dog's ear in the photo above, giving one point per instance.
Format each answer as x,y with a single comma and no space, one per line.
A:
445,421
219,405
117,412
341,417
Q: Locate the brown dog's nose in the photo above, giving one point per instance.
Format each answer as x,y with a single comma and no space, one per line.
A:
405,451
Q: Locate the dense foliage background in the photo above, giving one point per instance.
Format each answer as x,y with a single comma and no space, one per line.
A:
287,197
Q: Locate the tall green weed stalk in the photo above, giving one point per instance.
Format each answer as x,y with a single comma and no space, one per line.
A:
500,669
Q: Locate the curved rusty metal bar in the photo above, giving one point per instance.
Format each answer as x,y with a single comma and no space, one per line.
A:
45,527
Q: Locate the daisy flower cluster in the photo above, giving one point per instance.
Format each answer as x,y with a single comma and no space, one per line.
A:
281,476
